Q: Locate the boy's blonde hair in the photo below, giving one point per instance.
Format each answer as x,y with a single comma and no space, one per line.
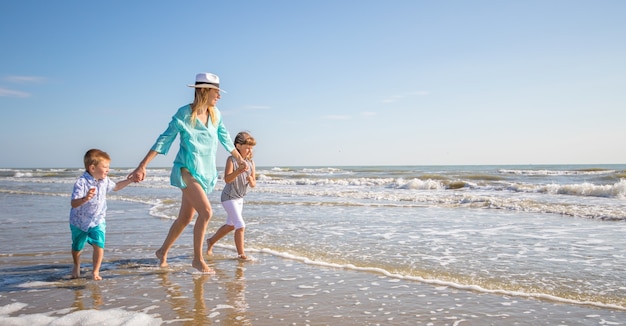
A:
201,101
94,157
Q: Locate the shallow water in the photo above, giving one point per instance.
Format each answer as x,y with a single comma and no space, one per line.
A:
358,245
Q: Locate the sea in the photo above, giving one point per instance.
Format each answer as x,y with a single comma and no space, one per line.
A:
332,245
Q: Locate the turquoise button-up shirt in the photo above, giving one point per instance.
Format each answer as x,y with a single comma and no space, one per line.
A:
198,146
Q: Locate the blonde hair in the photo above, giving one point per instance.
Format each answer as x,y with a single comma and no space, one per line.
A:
244,138
201,101
94,157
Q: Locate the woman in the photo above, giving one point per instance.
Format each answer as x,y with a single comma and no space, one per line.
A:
194,172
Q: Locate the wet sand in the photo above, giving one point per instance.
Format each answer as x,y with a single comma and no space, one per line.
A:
277,291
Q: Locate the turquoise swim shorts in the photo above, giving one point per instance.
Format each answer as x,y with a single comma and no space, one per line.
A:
95,236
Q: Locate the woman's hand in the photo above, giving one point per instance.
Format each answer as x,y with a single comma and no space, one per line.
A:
235,153
140,172
138,175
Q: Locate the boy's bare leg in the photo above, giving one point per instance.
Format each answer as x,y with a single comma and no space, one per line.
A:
98,253
76,268
239,235
221,232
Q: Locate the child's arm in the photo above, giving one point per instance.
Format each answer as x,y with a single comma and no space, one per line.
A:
122,184
252,176
80,201
230,174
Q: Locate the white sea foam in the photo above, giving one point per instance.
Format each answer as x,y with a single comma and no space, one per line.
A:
75,318
37,284
471,287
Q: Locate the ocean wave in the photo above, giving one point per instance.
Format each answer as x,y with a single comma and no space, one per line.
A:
617,190
396,183
546,172
418,184
452,199
586,189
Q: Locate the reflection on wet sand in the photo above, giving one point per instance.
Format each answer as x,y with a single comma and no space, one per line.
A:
79,297
181,304
226,298
201,315
236,297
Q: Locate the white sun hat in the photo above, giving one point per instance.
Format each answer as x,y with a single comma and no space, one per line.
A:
207,80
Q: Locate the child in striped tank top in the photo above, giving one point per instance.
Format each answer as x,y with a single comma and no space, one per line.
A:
237,177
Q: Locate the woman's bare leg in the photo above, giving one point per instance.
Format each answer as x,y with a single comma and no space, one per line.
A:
185,215
194,195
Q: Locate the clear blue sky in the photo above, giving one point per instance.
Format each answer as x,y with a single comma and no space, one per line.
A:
319,83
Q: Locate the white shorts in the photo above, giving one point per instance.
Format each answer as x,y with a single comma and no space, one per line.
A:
234,208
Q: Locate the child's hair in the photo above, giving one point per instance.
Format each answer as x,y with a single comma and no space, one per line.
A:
244,138
95,157
201,101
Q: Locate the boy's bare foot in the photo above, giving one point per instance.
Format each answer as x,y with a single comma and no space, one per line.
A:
162,258
209,250
97,277
202,267
76,272
242,257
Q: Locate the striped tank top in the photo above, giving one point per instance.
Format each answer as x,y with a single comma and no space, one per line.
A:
238,188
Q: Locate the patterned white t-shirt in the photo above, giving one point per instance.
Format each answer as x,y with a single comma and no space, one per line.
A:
92,212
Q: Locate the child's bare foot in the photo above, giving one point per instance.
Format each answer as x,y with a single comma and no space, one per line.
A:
162,258
242,257
76,272
96,276
209,250
202,267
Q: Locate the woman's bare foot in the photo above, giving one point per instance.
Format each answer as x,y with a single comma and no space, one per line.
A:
209,250
76,272
96,276
162,258
202,267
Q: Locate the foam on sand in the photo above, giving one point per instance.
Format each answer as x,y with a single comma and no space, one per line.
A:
81,317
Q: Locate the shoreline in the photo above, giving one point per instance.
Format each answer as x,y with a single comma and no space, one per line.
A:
271,290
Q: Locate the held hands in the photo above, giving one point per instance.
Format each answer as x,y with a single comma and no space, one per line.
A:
243,167
138,175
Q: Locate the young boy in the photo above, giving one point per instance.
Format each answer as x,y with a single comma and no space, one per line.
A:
89,209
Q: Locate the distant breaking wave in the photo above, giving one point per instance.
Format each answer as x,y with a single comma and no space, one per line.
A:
617,190
557,172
